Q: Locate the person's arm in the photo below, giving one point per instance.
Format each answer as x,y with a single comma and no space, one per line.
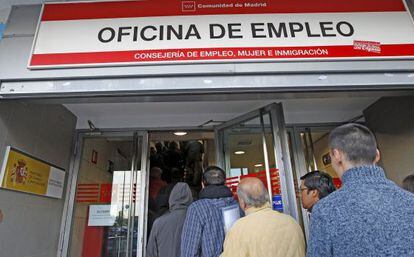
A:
191,235
320,244
152,248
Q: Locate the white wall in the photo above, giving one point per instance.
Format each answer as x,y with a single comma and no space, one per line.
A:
391,119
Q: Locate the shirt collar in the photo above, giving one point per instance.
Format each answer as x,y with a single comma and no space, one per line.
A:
363,175
256,209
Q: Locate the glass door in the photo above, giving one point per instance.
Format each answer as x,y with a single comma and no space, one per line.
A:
310,152
255,145
107,211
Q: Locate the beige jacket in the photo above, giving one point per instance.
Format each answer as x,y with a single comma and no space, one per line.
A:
264,233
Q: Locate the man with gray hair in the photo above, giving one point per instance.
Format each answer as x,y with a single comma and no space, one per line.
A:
370,215
262,232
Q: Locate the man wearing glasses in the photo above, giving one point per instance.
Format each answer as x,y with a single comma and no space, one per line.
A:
315,186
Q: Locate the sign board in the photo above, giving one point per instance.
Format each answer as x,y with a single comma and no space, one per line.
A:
277,203
176,31
230,215
101,215
25,173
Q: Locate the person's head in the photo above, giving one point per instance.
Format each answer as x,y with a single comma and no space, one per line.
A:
177,175
315,185
352,145
214,175
408,183
180,196
173,145
252,193
155,173
158,146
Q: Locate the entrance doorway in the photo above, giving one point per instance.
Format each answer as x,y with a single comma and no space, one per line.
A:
110,210
109,198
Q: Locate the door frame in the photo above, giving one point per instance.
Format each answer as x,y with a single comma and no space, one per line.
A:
299,159
281,151
73,172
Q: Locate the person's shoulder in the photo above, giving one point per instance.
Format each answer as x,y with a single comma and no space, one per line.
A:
328,205
159,223
198,205
240,224
287,218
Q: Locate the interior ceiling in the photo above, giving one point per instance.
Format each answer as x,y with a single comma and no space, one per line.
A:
193,114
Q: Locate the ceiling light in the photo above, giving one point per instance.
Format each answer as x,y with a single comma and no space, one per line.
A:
239,152
180,133
258,165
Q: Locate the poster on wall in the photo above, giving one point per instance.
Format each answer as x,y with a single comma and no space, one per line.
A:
110,33
102,215
25,173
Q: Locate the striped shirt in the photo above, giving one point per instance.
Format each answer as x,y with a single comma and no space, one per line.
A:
203,232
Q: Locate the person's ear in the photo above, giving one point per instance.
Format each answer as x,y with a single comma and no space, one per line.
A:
377,157
242,204
314,193
336,155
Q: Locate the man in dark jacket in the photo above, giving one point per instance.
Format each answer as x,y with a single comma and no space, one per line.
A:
203,232
165,237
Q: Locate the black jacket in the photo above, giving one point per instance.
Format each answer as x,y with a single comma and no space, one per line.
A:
165,237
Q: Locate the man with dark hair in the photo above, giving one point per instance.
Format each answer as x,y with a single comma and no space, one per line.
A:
315,186
408,183
262,232
203,232
370,215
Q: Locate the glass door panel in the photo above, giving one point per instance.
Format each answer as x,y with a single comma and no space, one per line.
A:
250,146
108,200
243,148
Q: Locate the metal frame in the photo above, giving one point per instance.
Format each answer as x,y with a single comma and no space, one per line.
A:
259,82
283,159
67,216
299,158
144,193
281,151
266,156
300,165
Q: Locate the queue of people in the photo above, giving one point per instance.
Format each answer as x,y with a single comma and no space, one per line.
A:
368,216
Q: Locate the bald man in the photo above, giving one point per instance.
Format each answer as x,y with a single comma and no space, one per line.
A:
263,232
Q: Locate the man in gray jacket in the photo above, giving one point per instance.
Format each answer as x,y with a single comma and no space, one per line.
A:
165,237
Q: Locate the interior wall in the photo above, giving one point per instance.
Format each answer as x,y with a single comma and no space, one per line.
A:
321,148
91,173
31,223
391,119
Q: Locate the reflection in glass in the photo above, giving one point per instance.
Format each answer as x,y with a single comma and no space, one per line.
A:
249,137
104,209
